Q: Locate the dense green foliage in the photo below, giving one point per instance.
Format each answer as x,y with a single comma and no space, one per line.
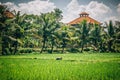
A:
103,66
46,33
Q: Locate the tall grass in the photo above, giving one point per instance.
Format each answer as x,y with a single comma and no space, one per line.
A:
72,67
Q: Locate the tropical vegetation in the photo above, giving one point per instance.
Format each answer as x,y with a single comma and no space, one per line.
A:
46,33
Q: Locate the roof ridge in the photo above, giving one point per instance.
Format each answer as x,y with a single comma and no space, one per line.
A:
84,13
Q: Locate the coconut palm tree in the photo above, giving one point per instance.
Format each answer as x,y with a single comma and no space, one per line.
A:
5,26
116,42
84,34
2,26
49,23
111,35
95,36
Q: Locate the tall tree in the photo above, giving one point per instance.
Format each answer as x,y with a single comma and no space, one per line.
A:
64,36
2,25
95,36
5,21
84,34
49,23
18,32
111,35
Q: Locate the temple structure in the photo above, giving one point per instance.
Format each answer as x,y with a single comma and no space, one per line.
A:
84,16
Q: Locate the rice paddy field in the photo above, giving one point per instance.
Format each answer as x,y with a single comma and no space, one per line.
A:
73,66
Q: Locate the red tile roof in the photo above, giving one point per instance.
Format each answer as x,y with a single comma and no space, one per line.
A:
9,14
81,18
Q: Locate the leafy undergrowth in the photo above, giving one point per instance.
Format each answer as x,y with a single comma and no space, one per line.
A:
71,67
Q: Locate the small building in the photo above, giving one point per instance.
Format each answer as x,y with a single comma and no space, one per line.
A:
84,16
5,12
9,14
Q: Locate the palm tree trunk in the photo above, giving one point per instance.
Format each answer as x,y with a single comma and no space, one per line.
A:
44,42
15,47
1,43
2,48
52,48
82,49
52,45
82,46
62,49
110,45
63,46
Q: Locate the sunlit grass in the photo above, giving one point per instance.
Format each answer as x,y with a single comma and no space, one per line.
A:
103,66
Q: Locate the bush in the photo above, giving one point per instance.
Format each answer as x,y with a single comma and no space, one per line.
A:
116,45
86,49
26,50
73,50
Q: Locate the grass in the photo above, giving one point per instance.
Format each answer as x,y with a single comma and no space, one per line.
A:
102,66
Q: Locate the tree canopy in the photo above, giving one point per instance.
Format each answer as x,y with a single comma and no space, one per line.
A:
46,33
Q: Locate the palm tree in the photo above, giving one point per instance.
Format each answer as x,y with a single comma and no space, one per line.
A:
18,31
63,36
49,23
73,38
53,36
95,36
4,29
84,34
32,31
111,35
44,24
2,26
116,42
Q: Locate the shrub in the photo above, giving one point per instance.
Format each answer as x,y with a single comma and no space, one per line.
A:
86,49
26,50
73,50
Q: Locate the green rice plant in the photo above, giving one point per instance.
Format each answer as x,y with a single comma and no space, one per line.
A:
71,67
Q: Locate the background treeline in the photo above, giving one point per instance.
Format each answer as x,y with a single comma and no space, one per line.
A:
45,33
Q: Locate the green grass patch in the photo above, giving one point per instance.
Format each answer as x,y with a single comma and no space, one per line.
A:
103,66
